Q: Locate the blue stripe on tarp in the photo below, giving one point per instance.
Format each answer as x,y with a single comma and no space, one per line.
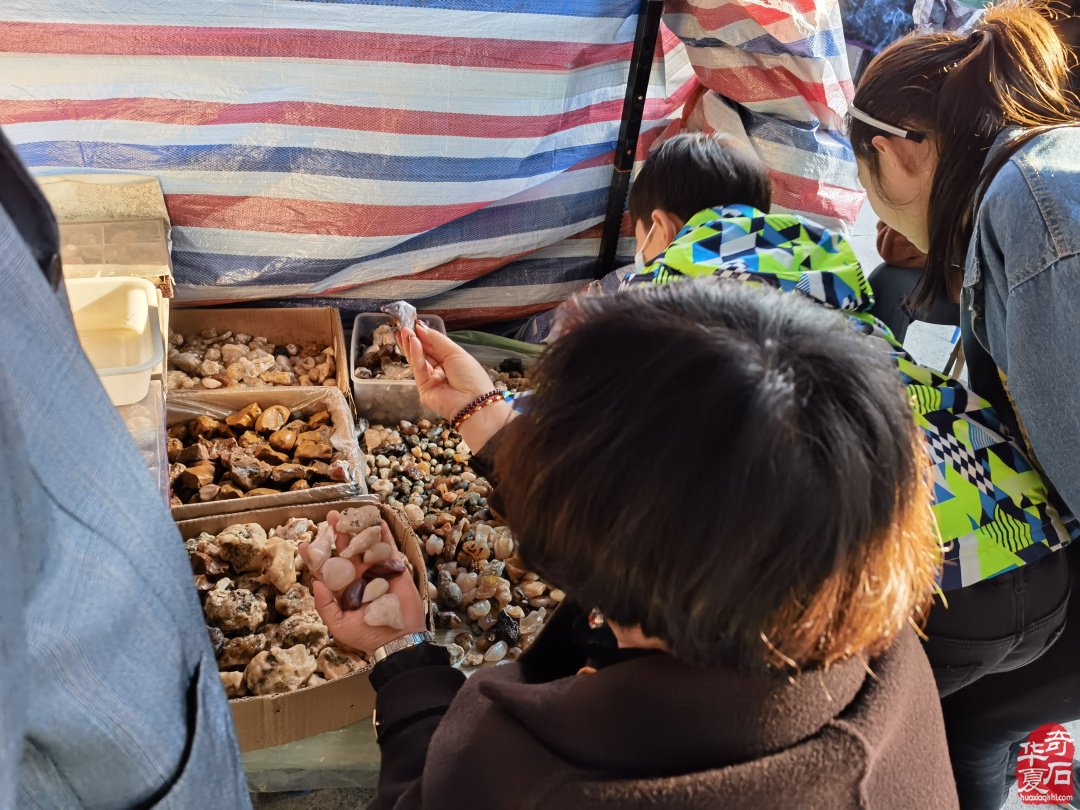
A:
579,269
806,136
523,217
822,45
301,160
264,269
559,8
220,269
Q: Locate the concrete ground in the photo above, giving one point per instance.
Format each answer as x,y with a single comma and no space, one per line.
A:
336,799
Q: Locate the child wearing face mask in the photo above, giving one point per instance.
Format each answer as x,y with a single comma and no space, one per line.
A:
700,206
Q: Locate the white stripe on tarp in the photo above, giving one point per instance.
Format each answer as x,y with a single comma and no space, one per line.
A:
433,88
416,261
264,243
791,29
250,243
151,133
230,242
329,17
450,292
317,246
326,188
810,70
813,165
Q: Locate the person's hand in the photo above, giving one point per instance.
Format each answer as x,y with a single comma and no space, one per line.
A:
447,376
348,626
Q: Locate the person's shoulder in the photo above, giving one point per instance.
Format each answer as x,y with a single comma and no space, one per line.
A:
1046,172
1031,207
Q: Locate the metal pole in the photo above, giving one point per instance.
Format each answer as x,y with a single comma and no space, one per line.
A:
637,85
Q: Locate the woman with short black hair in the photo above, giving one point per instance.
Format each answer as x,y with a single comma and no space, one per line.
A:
737,505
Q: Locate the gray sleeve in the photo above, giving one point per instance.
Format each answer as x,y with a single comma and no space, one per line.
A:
13,651
1043,350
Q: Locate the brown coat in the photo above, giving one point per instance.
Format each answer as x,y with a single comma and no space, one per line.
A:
651,732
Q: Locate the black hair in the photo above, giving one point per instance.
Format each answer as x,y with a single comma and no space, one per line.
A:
695,171
734,469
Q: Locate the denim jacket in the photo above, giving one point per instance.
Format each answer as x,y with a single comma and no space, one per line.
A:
109,691
1021,300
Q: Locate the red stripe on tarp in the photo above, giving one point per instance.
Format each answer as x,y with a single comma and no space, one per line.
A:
181,41
645,142
745,85
716,17
312,114
814,197
310,216
461,270
478,316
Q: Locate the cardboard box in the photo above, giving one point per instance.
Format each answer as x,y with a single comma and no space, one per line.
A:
280,326
263,722
185,406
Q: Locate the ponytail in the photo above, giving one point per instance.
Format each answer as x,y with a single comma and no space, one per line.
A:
1011,70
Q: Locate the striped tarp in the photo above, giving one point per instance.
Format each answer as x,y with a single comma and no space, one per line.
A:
456,153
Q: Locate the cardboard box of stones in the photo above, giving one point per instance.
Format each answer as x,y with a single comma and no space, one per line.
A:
486,606
223,349
249,449
287,677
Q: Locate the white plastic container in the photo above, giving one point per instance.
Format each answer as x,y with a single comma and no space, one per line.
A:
118,326
378,398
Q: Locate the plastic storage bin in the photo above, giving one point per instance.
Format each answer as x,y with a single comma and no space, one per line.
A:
114,248
145,421
118,326
377,399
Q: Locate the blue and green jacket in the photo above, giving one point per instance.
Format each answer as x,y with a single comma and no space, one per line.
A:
993,509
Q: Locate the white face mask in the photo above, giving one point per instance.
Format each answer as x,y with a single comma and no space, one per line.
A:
639,257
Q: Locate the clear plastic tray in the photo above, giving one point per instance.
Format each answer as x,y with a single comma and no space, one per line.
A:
378,400
125,243
145,421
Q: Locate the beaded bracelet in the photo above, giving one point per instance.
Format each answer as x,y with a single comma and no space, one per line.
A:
476,406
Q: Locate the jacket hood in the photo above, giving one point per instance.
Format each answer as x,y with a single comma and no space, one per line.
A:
572,716
781,250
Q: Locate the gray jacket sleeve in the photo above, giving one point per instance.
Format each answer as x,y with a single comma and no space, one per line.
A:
1043,350
109,691
12,627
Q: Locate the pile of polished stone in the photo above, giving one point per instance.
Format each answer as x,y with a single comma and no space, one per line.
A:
487,605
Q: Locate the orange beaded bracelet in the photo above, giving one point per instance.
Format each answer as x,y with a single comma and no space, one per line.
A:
475,407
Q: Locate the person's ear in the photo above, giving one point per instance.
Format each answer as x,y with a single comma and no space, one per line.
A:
910,159
666,225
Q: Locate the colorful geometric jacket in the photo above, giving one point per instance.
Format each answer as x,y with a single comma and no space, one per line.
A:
992,506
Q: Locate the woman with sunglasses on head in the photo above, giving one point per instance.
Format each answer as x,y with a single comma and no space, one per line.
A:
967,146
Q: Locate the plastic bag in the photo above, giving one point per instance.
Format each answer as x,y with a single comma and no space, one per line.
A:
401,313
184,407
